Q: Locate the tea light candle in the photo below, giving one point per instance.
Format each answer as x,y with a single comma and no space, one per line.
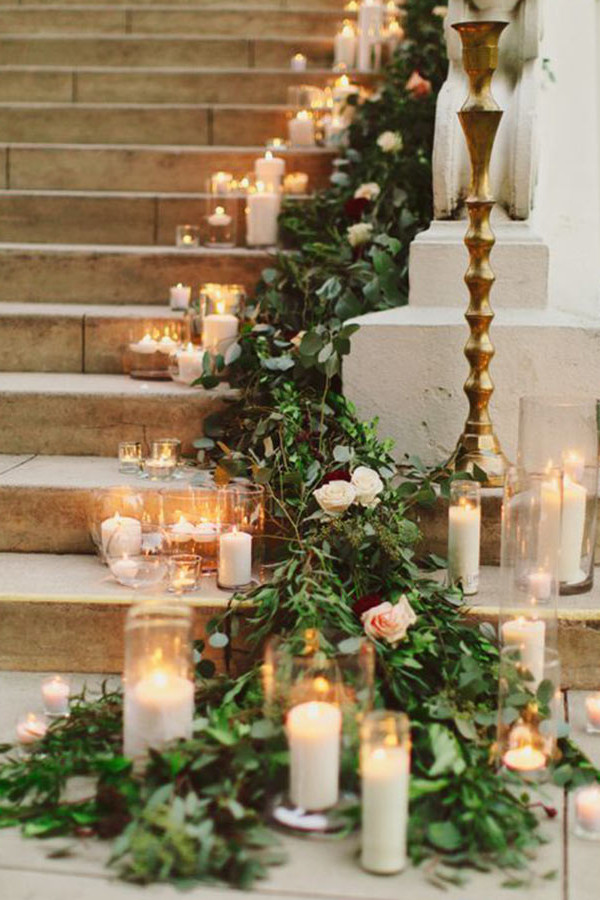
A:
276,144
529,636
124,568
385,774
166,344
158,709
187,236
55,693
301,129
146,346
269,169
540,585
31,729
524,759
190,362
334,130
159,467
219,331
219,219
592,708
182,531
184,572
464,527
572,531
298,62
342,91
295,183
587,810
122,535
235,559
180,296
313,732
345,45
262,213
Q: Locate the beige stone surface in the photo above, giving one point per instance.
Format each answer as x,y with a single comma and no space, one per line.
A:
275,51
433,522
48,343
247,125
42,86
107,338
18,20
246,22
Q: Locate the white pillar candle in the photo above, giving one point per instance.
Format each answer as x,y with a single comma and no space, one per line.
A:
464,528
219,331
122,535
31,729
313,731
262,213
301,129
344,46
55,693
529,636
179,296
269,169
159,708
385,774
587,808
235,559
572,531
370,21
190,363
592,708
298,62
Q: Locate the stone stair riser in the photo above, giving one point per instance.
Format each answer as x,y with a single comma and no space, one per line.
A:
433,523
202,4
164,169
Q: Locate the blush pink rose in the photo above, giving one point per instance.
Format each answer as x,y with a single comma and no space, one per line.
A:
389,622
418,86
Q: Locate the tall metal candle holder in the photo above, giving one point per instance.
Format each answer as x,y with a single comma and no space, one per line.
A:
480,117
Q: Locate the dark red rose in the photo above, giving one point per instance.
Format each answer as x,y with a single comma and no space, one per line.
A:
355,207
337,475
363,604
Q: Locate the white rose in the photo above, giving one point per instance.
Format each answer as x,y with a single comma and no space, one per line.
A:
367,485
390,142
389,622
368,191
359,234
335,498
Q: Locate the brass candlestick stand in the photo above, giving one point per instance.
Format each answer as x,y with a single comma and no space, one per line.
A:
480,117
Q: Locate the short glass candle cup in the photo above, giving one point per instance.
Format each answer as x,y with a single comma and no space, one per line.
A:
184,572
31,729
145,570
592,709
115,517
586,807
221,223
163,460
56,694
130,457
187,237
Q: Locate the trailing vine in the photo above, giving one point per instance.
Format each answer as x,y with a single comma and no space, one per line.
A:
196,814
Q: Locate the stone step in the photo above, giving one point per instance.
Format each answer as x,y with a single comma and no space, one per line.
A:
171,169
73,613
88,415
46,337
249,21
203,4
137,123
46,273
181,51
61,84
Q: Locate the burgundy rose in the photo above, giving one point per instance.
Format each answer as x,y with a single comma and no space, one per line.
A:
417,86
355,207
365,603
337,475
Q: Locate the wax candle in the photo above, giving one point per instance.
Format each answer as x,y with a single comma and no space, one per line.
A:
221,182
464,527
313,732
166,344
31,729
524,759
159,467
219,331
146,346
235,559
572,532
269,169
158,709
187,236
529,637
55,693
592,708
345,46
295,183
184,572
124,568
334,130
190,362
121,535
301,129
587,809
385,775
540,585
180,296
276,144
262,213
370,21
298,62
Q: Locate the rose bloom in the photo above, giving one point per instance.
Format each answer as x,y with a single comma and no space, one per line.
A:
367,484
359,234
389,622
368,191
390,142
355,207
418,86
441,11
335,498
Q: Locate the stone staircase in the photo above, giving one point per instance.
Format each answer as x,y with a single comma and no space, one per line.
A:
112,117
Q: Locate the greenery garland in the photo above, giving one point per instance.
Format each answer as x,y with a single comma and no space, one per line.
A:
196,814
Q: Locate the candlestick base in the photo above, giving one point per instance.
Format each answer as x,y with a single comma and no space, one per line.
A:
321,823
238,588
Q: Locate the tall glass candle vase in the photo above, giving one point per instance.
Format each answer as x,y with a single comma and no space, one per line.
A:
192,522
464,535
115,517
241,541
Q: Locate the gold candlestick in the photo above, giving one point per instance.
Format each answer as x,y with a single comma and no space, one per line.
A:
480,117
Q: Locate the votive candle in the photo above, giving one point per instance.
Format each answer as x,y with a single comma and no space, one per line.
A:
56,694
592,708
587,811
31,728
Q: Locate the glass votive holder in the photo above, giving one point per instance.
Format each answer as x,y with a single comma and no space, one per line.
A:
464,535
184,571
222,298
187,237
586,809
31,729
221,183
115,517
385,774
56,694
295,183
592,711
130,457
159,468
276,143
146,569
221,223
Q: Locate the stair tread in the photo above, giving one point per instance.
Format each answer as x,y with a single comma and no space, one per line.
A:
91,310
492,589
80,383
133,249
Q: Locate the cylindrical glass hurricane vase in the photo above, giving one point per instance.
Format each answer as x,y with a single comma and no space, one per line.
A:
562,432
241,540
464,535
159,687
192,522
221,222
385,774
115,517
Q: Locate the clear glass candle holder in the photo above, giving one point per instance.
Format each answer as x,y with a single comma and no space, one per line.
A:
31,728
305,96
221,184
115,517
241,542
586,812
192,522
221,222
130,457
222,298
464,535
144,571
184,572
295,183
56,693
385,774
562,432
165,455
187,237
592,711
158,677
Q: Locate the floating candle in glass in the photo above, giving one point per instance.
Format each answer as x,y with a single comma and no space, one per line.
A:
295,183
56,695
190,363
464,529
221,223
184,570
